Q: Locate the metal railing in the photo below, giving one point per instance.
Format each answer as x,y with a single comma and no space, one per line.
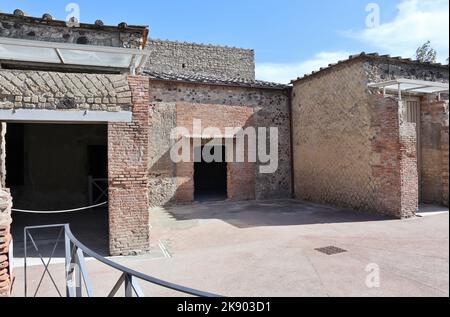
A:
76,272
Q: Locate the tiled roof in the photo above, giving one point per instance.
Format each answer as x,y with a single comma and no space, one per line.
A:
373,56
213,80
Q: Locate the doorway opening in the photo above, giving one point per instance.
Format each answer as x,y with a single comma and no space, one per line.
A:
211,178
50,167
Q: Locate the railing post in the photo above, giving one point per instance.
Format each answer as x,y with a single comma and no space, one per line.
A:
128,286
25,262
78,281
70,268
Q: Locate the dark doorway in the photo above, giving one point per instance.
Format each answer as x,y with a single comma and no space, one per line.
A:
49,167
211,178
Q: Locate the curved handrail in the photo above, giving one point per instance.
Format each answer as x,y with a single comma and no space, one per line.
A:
141,276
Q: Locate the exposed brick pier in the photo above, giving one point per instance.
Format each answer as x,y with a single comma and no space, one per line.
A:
5,239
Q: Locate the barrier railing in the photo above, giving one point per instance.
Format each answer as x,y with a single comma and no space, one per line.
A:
77,275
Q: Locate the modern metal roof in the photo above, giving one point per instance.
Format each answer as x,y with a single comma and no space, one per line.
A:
412,86
20,50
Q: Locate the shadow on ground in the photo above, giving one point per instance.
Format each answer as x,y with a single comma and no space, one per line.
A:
263,213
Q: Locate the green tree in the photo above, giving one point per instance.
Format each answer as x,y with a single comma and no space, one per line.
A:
426,53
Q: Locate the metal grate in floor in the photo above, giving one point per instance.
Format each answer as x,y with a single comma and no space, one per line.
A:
331,250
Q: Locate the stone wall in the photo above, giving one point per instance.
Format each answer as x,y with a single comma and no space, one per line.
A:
29,28
64,91
379,69
270,108
181,57
128,158
350,149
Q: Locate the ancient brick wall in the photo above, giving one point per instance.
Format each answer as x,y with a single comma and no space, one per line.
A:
409,174
181,57
445,165
128,157
30,28
434,117
5,222
64,91
270,108
241,176
5,239
350,148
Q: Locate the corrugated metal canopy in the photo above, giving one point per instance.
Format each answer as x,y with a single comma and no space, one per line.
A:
412,86
72,54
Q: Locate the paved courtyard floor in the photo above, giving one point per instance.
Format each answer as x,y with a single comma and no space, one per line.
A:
269,249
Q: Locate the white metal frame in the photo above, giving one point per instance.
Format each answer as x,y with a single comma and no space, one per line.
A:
414,86
138,56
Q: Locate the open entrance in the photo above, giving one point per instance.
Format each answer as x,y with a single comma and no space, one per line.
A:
53,167
211,177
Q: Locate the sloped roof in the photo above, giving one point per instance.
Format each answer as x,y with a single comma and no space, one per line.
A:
213,80
374,56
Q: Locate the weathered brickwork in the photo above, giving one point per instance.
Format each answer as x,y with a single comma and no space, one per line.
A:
409,176
30,28
270,108
64,91
350,148
434,117
445,165
181,57
128,159
385,163
5,240
241,176
5,222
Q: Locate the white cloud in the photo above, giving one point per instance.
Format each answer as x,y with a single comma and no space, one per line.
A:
417,21
284,73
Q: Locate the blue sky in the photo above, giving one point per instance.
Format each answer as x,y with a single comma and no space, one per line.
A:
290,37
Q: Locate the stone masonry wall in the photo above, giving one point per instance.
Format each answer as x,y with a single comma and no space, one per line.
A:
29,28
378,70
64,91
181,57
270,108
128,158
347,143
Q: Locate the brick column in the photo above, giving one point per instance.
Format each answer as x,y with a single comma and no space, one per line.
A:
409,175
128,176
445,162
5,239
